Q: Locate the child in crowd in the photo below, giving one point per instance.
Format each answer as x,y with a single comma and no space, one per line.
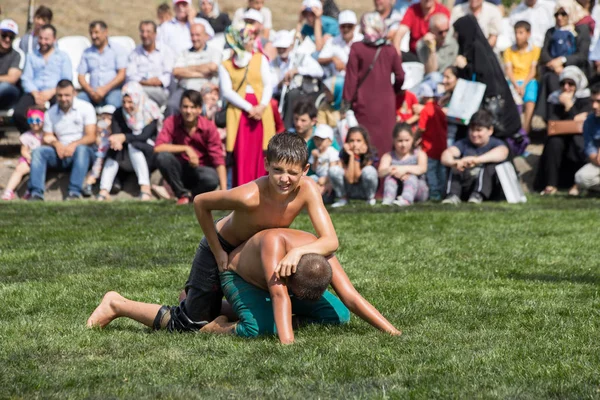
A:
356,178
103,131
473,161
164,13
324,155
404,168
30,141
520,63
405,100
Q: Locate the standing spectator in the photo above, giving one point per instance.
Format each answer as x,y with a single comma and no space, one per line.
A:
336,51
245,81
195,68
209,10
539,15
175,34
416,21
488,16
69,132
29,41
151,64
106,63
588,177
258,5
316,26
190,156
367,88
11,64
436,50
44,68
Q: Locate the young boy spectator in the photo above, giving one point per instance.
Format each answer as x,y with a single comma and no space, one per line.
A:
29,41
324,155
473,161
520,63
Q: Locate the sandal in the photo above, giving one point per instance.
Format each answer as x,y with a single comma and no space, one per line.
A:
549,191
145,196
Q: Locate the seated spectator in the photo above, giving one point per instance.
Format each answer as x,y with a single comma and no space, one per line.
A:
588,177
585,15
258,5
12,63
488,16
189,152
209,10
163,14
449,83
356,178
69,133
336,50
564,45
323,156
44,68
392,17
103,132
472,162
195,68
151,64
318,27
416,21
405,102
520,65
403,170
175,34
29,41
539,15
563,153
329,112
436,50
401,6
106,63
305,120
134,129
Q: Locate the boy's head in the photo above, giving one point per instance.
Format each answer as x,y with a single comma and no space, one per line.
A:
522,33
311,279
305,118
286,161
481,128
164,13
323,137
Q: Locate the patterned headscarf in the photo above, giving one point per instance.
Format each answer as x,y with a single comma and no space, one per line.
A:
374,29
145,109
237,36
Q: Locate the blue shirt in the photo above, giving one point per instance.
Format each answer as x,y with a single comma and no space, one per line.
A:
102,67
468,149
329,27
591,135
40,74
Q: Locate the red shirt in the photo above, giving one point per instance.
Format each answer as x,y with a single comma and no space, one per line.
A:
419,23
404,105
434,126
205,141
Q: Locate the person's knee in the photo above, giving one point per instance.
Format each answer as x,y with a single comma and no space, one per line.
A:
211,179
336,172
163,159
584,179
82,153
369,172
247,328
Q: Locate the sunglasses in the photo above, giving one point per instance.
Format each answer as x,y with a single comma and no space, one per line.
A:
561,14
34,120
5,35
444,31
346,26
567,83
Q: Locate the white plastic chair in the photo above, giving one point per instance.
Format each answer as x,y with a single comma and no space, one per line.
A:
414,72
16,43
74,46
127,43
506,38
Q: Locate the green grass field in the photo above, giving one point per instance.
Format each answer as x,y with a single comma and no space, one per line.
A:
495,301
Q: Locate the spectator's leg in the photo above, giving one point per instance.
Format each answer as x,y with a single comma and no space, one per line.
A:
20,114
140,166
41,158
410,187
201,179
80,165
588,177
368,182
422,191
336,176
114,98
390,189
158,94
85,97
173,102
530,98
9,95
109,173
485,180
455,184
433,180
171,169
553,151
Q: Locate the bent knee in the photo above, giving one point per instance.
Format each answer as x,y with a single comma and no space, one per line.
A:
247,329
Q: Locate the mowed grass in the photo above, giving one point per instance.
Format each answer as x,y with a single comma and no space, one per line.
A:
495,301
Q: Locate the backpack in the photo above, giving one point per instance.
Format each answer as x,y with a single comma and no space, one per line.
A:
563,44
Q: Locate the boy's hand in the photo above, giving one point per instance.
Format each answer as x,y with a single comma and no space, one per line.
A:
287,266
348,149
315,153
222,260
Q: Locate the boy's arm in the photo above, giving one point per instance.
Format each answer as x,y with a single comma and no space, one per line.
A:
495,155
384,165
449,156
508,70
532,74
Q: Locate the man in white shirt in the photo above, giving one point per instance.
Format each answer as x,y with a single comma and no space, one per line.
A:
195,68
488,16
336,51
69,130
175,34
539,14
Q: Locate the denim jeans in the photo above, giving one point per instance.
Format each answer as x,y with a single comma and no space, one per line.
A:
436,178
9,95
45,156
114,98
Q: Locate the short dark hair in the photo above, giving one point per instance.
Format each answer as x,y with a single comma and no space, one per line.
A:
49,26
453,69
147,22
402,127
288,147
44,12
164,8
311,279
99,23
64,83
595,89
306,107
192,95
482,119
523,25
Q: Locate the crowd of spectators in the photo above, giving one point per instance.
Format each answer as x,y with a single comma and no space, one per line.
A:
374,98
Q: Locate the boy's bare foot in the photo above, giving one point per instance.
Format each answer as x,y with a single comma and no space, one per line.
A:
104,313
219,325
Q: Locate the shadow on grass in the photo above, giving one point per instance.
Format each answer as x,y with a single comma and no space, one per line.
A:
540,277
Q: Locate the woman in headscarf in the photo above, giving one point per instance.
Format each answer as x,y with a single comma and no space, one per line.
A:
564,154
245,82
477,61
134,128
565,44
209,10
368,89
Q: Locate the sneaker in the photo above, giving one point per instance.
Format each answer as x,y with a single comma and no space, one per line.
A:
183,200
9,195
340,203
73,196
452,199
87,190
35,198
371,202
387,202
476,198
401,202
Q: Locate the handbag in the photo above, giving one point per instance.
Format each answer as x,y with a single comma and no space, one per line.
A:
570,127
221,115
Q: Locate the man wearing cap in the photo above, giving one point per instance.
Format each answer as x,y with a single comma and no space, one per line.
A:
336,51
266,19
437,50
195,68
151,64
11,64
106,63
318,27
44,68
175,34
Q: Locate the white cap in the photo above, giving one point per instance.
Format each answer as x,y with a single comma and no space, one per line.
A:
283,39
9,25
347,17
324,131
107,109
182,1
207,28
311,4
253,15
